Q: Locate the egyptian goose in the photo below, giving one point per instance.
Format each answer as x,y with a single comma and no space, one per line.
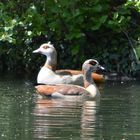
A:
49,75
60,90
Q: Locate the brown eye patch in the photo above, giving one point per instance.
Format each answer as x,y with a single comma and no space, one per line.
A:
45,47
93,63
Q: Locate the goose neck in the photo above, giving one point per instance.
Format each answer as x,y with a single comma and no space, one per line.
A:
88,80
51,62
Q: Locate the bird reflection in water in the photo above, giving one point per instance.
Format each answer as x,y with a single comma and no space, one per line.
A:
64,118
88,119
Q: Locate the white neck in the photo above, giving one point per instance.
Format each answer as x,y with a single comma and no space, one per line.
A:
51,61
93,90
90,85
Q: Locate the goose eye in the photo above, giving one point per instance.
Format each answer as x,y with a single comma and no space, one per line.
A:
93,63
46,47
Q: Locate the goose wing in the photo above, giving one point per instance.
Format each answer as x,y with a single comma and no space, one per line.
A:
63,89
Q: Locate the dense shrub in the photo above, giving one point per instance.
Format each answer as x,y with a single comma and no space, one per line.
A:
106,30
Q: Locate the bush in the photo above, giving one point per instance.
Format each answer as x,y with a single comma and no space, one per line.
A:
106,30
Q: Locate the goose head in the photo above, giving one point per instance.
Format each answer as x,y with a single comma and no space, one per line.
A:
46,49
91,65
49,51
88,67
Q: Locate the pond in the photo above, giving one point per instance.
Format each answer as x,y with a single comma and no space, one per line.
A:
25,116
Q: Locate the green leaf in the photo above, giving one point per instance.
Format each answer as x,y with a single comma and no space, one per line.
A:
97,8
116,15
75,50
103,19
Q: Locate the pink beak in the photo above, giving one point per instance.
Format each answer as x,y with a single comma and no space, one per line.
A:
37,51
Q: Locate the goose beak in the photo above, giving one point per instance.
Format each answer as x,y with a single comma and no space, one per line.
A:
36,51
101,67
101,70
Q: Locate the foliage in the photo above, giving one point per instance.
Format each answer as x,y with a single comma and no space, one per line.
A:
107,30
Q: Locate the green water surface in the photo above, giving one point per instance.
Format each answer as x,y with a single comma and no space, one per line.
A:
24,116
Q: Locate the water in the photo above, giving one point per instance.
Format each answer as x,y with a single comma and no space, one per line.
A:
24,116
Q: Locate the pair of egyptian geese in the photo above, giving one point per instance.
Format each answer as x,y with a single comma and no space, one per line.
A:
55,83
